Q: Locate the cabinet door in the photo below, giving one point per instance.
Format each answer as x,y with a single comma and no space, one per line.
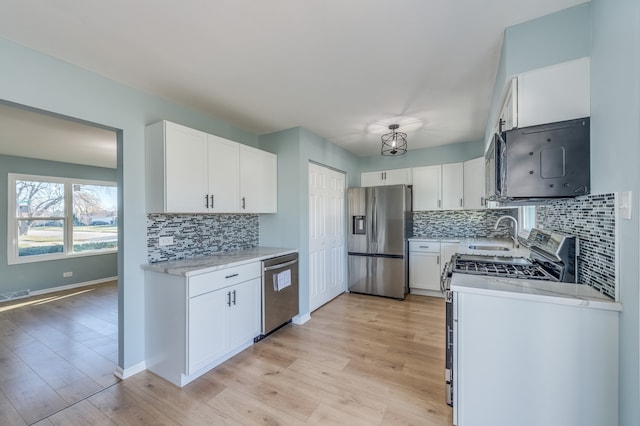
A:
207,335
452,186
224,175
397,177
245,312
427,189
446,251
370,179
555,93
258,181
424,270
474,183
185,169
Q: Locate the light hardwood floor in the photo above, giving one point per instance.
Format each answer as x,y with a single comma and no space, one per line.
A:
55,350
360,360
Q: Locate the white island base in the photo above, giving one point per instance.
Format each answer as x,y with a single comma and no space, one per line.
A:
520,361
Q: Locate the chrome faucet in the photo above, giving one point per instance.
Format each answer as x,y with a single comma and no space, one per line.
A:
516,243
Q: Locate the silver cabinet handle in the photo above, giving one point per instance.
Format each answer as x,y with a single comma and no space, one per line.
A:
231,276
228,298
206,201
438,259
212,200
424,246
234,297
460,202
482,201
244,204
439,203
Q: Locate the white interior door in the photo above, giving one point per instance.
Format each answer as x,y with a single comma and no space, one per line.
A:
326,235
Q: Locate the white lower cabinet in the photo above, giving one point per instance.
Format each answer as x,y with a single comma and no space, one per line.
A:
447,249
426,263
195,323
424,267
207,329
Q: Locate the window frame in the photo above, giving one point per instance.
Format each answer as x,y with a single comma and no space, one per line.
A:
13,247
522,214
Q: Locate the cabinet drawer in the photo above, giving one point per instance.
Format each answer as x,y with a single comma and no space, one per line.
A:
424,246
200,284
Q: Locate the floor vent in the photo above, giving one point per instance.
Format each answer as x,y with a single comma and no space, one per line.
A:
15,295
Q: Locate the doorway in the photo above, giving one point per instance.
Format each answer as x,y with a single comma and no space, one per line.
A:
59,318
327,267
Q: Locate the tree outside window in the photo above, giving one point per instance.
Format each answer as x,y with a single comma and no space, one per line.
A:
60,217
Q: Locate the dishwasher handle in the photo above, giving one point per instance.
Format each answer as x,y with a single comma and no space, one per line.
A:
281,265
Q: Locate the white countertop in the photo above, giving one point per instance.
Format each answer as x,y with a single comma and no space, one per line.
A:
580,295
464,244
205,264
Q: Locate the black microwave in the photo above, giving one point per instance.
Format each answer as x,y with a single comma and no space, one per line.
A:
545,161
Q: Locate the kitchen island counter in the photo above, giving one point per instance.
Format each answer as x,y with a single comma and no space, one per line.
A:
534,290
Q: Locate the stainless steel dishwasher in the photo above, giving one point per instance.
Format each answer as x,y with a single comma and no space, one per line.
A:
279,292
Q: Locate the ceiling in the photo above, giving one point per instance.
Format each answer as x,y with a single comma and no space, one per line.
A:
32,134
342,69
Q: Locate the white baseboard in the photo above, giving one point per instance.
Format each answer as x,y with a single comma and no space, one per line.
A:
70,286
301,319
128,372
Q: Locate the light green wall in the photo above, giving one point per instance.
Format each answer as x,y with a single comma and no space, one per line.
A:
615,155
549,40
42,82
45,275
453,153
290,226
609,32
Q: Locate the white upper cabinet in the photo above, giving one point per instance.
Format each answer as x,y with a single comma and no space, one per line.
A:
386,177
427,188
555,93
224,167
176,168
258,181
438,187
452,186
474,183
189,171
509,113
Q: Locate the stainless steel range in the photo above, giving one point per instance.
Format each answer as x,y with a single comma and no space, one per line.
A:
553,257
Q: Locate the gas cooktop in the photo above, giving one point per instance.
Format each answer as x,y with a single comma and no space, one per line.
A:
500,266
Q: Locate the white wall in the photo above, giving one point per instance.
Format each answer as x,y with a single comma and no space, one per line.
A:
40,81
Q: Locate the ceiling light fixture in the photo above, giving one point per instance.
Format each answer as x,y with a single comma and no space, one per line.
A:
394,143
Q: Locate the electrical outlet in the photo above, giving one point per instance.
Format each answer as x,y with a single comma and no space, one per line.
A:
165,241
67,274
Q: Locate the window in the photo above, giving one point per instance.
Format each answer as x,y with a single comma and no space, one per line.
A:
527,218
54,218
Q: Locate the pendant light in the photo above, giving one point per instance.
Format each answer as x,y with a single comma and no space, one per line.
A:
394,143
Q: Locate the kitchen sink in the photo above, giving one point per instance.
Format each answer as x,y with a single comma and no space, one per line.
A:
495,248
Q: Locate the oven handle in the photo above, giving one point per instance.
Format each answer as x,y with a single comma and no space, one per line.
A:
445,272
281,265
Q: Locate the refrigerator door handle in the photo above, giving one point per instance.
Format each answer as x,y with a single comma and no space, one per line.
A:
374,223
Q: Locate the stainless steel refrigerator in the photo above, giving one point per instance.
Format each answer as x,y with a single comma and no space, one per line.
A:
380,221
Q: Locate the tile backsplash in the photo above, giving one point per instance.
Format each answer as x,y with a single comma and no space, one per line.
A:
462,223
591,218
199,234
